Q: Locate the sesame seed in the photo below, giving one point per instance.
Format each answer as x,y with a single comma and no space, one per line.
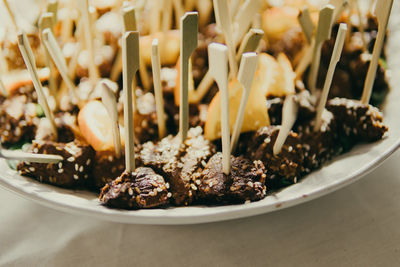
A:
130,191
88,162
60,165
167,185
71,159
76,167
76,177
81,169
32,169
60,170
169,195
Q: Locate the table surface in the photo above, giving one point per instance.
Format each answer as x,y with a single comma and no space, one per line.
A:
357,226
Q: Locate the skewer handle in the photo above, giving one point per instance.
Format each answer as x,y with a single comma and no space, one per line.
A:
189,30
110,103
218,59
224,22
30,63
323,33
382,12
250,42
247,70
289,116
30,157
130,65
156,67
306,23
244,17
337,51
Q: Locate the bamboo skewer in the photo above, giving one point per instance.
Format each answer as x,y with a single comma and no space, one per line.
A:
130,65
59,60
337,51
250,42
306,23
156,67
224,22
244,18
289,116
323,33
11,14
218,59
30,63
110,103
52,8
382,12
3,89
247,70
188,43
30,157
46,20
87,26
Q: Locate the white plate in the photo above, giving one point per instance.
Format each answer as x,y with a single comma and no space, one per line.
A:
343,171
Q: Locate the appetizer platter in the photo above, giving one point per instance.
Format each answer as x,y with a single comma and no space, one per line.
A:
174,112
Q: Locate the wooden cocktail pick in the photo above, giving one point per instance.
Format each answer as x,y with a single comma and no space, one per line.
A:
156,67
52,8
55,52
3,89
11,14
244,18
29,157
289,116
89,42
218,62
179,11
250,42
382,13
224,22
306,23
337,51
323,33
110,103
247,70
30,63
130,65
46,20
189,30
166,16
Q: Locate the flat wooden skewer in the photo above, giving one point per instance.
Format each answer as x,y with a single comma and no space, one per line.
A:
247,70
52,8
289,116
3,89
234,7
129,16
218,59
11,14
87,26
340,6
166,16
59,60
110,103
306,23
30,157
46,21
224,22
30,63
156,67
382,13
337,51
130,66
188,43
323,33
179,11
244,17
250,42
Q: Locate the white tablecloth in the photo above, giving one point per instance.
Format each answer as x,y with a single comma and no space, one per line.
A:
355,226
